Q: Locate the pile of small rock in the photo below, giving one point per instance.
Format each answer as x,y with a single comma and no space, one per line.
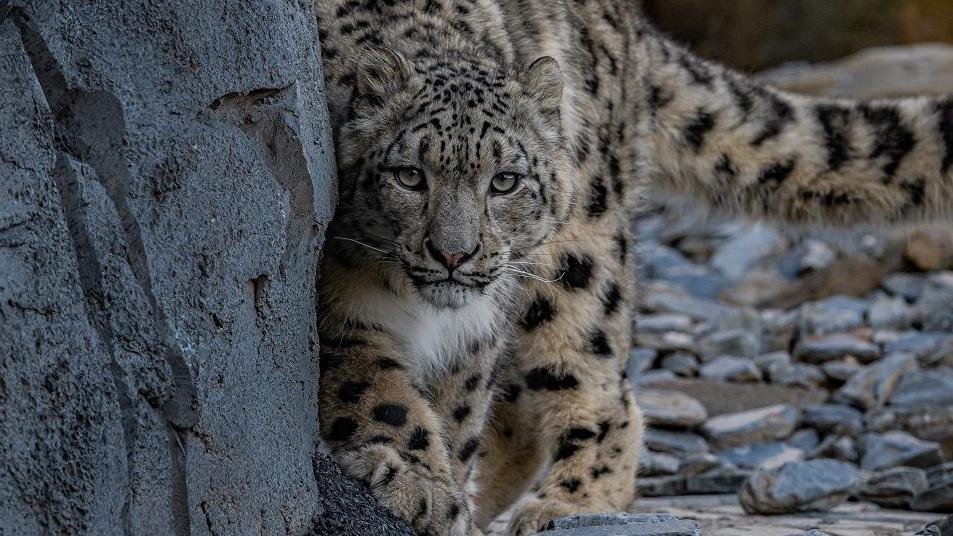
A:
800,371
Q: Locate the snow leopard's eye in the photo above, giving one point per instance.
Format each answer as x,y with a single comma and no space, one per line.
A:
410,178
505,182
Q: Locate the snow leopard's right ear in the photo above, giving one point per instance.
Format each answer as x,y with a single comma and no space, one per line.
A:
381,72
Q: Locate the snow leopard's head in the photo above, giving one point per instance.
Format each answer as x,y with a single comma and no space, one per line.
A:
454,170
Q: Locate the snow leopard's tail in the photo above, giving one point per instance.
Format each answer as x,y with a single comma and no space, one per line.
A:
742,147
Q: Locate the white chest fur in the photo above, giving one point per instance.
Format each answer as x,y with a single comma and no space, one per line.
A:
431,338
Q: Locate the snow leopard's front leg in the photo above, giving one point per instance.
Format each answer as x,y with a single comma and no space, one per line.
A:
382,431
569,388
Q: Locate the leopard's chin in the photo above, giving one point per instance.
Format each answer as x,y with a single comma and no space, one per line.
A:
448,294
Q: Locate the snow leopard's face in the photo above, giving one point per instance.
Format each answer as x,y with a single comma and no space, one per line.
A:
454,171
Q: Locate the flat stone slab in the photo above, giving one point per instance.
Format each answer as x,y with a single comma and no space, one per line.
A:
622,524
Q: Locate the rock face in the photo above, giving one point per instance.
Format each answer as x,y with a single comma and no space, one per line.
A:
798,487
167,174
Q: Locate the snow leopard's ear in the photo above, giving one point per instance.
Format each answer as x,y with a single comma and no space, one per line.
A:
543,81
381,72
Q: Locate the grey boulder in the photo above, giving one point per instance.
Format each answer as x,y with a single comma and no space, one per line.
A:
894,488
895,449
671,408
799,487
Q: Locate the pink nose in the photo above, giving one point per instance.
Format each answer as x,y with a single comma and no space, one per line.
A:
451,261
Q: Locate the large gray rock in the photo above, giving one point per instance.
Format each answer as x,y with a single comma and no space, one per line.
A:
938,497
716,482
836,314
874,385
826,348
767,455
166,175
894,488
670,408
731,369
774,422
799,487
833,419
682,444
744,250
895,449
622,524
930,348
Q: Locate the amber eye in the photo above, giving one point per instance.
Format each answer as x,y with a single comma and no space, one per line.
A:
410,178
504,183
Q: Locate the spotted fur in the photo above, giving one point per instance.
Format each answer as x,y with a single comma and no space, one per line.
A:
449,392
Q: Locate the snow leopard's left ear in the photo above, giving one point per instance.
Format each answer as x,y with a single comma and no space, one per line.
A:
381,72
543,81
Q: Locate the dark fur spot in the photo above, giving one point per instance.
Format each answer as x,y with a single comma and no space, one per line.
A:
835,120
571,485
386,363
699,72
565,450
604,427
540,311
454,511
512,392
599,343
579,433
460,413
392,414
916,191
781,114
598,198
945,112
419,439
611,299
351,392
658,99
622,247
576,271
725,167
540,379
893,139
597,472
329,360
389,476
342,429
776,173
698,129
469,449
472,382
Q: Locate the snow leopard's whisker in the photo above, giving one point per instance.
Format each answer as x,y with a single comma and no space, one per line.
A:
368,246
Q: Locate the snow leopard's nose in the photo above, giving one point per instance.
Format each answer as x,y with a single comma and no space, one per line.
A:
450,260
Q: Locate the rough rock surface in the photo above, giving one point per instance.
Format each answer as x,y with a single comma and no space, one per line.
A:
799,486
167,174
